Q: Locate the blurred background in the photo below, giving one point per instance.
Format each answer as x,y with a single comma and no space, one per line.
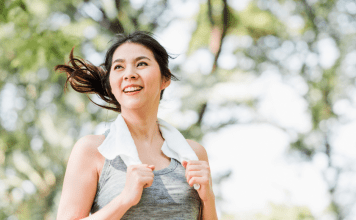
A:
267,86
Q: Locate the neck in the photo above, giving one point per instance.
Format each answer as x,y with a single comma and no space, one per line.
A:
142,124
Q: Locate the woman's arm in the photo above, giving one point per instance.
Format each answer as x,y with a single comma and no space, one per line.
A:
80,180
199,172
80,184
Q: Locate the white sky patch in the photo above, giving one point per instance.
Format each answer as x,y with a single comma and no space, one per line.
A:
255,153
92,55
231,91
294,62
184,9
175,38
351,7
183,120
189,66
201,60
299,84
311,60
93,11
170,103
306,187
344,142
59,20
349,64
343,107
231,42
239,5
8,115
245,41
28,187
295,23
227,61
90,32
204,58
282,104
329,53
137,4
95,58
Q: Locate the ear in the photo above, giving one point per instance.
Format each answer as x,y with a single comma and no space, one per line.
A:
165,83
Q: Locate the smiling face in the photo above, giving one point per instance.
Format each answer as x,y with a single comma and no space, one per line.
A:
135,77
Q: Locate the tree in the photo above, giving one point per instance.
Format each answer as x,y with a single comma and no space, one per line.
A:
40,122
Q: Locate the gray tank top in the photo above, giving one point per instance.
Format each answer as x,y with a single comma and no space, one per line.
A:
169,197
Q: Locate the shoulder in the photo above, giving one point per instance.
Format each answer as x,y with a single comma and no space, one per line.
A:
88,144
85,150
90,141
199,150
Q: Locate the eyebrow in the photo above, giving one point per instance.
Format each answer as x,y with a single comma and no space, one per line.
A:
137,59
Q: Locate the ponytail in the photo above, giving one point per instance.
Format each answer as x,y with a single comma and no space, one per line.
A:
87,78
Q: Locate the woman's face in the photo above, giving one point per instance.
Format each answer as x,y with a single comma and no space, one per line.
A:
135,77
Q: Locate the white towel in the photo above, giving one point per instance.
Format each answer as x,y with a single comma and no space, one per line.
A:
120,142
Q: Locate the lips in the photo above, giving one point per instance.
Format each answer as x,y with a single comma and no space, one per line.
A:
132,88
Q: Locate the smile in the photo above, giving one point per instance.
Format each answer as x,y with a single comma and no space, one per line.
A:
132,89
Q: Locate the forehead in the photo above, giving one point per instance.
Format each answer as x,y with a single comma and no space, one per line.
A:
129,51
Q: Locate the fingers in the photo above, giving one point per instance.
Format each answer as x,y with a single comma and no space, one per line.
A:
148,182
143,167
200,173
197,165
141,174
191,174
197,172
191,162
200,180
148,176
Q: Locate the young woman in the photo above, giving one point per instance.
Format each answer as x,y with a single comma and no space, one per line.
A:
132,80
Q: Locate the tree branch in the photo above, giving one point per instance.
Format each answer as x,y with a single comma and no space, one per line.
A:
225,19
114,26
154,24
201,113
210,13
311,15
117,4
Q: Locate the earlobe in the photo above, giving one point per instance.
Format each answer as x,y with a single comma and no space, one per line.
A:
165,83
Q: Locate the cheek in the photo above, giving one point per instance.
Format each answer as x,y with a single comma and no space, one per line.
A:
114,84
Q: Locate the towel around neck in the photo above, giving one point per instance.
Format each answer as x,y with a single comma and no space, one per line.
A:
119,142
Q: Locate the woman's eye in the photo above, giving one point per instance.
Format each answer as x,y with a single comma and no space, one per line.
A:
117,67
142,64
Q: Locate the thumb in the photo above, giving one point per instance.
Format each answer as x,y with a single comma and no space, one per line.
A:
184,163
152,167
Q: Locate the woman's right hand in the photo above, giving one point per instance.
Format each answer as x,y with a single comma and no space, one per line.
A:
137,177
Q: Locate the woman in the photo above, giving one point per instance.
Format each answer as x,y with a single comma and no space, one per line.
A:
133,78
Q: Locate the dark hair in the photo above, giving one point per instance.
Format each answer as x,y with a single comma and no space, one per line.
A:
85,77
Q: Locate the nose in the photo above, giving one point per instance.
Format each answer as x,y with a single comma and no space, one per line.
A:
130,73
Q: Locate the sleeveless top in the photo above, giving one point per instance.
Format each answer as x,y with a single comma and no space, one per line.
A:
169,196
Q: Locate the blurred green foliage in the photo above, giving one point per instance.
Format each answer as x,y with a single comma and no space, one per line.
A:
40,122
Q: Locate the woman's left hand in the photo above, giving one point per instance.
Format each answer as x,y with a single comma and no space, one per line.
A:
198,172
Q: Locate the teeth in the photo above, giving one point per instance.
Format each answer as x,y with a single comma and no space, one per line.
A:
130,89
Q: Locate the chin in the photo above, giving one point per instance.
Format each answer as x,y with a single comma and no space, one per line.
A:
133,105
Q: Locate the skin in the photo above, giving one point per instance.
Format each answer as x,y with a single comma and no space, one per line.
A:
132,64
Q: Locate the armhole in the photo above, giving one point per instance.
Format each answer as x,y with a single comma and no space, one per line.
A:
105,169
